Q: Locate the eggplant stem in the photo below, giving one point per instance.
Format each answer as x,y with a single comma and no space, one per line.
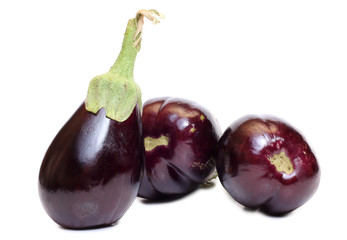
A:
151,15
209,181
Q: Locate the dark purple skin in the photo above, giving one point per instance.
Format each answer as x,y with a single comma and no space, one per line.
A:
244,166
188,159
91,172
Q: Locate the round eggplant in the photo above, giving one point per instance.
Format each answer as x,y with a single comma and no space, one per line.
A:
265,163
181,140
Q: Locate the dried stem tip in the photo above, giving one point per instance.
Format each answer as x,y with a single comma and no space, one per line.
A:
151,15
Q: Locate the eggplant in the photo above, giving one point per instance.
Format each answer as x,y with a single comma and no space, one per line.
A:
265,163
91,172
181,142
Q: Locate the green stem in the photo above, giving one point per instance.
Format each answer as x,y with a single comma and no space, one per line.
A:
124,65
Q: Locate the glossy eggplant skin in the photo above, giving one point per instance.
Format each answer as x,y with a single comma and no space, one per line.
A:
91,172
248,153
188,159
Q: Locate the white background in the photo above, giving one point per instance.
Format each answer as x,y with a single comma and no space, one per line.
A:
284,58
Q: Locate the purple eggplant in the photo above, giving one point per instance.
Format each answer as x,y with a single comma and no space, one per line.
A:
181,140
265,163
91,172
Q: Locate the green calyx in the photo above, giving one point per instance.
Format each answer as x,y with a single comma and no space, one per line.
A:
116,90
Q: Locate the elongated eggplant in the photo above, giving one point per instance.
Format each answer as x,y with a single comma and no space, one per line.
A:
91,172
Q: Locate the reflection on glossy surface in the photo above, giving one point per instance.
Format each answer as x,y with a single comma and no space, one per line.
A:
89,145
187,156
90,174
265,163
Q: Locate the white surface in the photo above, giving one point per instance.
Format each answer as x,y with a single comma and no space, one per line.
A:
285,58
